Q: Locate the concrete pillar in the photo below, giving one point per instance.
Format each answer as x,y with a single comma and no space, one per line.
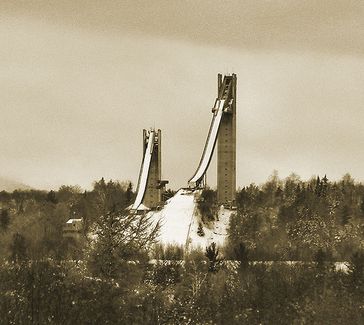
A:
152,197
226,151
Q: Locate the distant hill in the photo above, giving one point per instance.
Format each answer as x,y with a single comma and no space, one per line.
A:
10,185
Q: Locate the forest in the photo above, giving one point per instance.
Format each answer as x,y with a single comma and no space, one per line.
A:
279,264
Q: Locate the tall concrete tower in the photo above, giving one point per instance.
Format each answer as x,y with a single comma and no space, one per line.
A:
226,151
153,195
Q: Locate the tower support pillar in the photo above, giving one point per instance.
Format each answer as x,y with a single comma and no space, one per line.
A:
152,197
226,151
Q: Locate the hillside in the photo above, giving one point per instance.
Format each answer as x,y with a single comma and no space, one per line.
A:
11,185
180,220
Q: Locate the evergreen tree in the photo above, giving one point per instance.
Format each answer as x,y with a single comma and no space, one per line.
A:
4,219
356,270
212,253
207,205
362,205
241,255
318,186
345,214
18,248
324,186
200,230
129,193
51,197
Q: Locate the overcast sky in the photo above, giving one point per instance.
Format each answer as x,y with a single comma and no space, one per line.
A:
79,80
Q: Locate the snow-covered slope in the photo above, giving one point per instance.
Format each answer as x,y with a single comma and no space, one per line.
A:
180,219
215,232
176,217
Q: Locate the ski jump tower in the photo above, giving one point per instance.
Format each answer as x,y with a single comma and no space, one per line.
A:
226,147
150,185
223,131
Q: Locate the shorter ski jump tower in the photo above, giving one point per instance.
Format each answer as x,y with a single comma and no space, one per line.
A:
149,183
223,131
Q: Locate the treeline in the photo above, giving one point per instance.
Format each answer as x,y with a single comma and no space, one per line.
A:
292,219
31,222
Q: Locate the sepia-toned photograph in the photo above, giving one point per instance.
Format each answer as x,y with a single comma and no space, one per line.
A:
181,162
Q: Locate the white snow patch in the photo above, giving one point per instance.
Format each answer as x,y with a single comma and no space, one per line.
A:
176,218
180,219
71,221
216,232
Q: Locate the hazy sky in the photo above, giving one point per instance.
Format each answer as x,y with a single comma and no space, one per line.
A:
79,80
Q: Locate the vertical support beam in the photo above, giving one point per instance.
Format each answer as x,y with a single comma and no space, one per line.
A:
145,132
226,154
159,167
219,83
152,196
